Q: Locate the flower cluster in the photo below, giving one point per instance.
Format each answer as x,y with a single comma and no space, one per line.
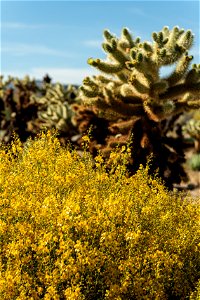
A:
69,229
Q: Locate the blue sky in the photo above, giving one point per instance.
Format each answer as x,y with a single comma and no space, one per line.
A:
57,37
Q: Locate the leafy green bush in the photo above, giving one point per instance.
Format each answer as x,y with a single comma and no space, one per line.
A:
69,229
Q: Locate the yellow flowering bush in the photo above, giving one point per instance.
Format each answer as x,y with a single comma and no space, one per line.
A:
69,229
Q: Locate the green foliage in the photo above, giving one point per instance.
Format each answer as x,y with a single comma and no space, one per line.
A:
194,162
71,230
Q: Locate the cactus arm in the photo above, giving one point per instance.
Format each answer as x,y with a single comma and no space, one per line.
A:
195,89
186,39
179,90
118,107
173,36
126,35
117,54
128,91
158,112
122,76
104,66
193,75
138,86
107,35
174,92
129,110
90,93
159,87
180,70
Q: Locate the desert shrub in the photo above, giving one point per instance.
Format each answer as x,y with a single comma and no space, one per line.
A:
70,229
194,162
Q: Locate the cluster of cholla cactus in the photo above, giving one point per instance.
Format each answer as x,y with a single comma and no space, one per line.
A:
17,112
27,107
138,102
55,107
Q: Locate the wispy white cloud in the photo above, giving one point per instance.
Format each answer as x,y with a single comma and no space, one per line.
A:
93,43
138,11
63,75
20,49
19,25
53,25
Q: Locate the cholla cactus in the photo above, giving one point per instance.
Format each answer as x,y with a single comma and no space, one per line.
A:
192,128
55,106
137,88
134,92
18,112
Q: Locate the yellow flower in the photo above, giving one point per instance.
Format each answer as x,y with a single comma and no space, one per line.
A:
86,138
105,234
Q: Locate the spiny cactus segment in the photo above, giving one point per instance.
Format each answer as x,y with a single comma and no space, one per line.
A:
193,128
134,86
55,106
